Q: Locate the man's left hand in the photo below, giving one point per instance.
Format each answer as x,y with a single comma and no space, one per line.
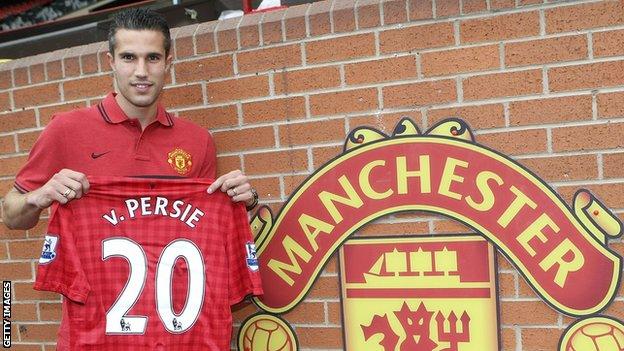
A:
236,185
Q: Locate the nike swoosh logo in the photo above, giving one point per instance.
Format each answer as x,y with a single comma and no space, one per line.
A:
94,155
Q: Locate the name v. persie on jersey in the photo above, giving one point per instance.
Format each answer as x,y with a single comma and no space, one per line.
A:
187,213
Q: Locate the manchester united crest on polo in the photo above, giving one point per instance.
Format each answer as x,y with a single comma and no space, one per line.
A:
180,161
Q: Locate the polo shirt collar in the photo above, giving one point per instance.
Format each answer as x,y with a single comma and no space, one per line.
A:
112,112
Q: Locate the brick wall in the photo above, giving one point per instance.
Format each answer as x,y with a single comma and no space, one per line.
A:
540,80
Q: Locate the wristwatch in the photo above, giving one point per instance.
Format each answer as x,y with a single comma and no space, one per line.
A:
254,193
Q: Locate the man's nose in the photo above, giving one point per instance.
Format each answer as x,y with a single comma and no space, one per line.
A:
141,68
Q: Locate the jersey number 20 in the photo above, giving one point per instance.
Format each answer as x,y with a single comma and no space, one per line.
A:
117,322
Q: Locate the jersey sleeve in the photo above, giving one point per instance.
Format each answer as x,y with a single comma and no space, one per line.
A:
44,160
244,276
59,267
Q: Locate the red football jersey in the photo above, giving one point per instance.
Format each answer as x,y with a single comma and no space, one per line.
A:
148,264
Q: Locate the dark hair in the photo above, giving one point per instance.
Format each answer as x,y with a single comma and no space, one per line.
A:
138,19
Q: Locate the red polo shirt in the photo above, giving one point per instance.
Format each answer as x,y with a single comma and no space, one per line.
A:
102,141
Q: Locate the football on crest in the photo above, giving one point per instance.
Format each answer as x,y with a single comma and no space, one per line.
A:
596,336
267,335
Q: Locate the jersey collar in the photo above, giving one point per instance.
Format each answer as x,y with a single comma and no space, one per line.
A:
112,113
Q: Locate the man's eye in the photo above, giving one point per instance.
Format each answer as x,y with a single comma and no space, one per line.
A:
127,57
154,58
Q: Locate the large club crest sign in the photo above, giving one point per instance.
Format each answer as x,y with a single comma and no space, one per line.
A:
558,249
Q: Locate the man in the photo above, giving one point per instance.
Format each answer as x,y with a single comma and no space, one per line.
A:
129,133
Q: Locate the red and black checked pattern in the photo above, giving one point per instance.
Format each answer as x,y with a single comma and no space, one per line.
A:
92,285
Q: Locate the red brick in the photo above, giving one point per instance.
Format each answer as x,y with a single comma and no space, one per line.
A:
343,16
37,74
291,183
186,95
50,311
610,105
5,102
506,285
49,347
72,66
321,155
340,49
244,139
270,58
25,292
324,287
6,233
249,30
451,227
394,229
40,229
516,142
508,338
46,113
272,27
226,34
334,312
320,337
502,4
238,89
7,144
608,43
295,22
383,70
274,110
419,94
563,168
38,332
306,79
54,70
227,164
318,18
501,27
592,137
17,120
416,37
587,76
454,61
5,186
213,117
540,339
420,9
204,37
25,249
584,16
87,87
23,312
24,347
9,166
268,188
290,161
395,11
368,14
183,43
612,165
5,79
531,2
89,63
311,132
478,117
549,50
527,313
36,95
503,84
307,312
554,110
204,69
447,8
20,76
4,253
17,271
343,102
472,6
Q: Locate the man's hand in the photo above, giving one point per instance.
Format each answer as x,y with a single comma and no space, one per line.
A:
237,186
22,211
63,187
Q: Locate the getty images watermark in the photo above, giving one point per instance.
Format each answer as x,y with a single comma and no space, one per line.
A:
6,314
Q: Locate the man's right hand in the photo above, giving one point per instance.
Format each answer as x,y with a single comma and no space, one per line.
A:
63,187
22,211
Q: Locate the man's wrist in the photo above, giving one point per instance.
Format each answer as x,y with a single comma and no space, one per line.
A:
254,202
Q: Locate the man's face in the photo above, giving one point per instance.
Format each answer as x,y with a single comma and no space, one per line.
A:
140,65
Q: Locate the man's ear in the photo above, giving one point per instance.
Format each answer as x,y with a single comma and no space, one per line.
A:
111,60
168,62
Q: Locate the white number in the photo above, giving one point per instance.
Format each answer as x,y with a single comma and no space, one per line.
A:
117,322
